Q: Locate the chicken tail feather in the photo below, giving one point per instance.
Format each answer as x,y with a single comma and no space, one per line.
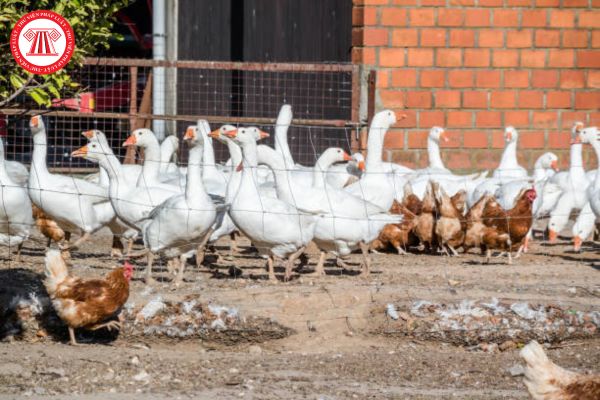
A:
56,269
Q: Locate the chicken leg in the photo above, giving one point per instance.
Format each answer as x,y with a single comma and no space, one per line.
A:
72,336
110,325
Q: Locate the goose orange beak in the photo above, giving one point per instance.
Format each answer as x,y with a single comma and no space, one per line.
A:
552,235
554,165
231,134
131,141
88,134
215,134
80,153
35,121
361,165
400,116
189,134
347,157
444,137
508,136
577,242
263,135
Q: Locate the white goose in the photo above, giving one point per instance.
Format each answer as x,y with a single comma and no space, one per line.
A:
181,223
276,228
168,148
342,175
15,210
131,204
75,204
436,165
509,167
377,185
574,186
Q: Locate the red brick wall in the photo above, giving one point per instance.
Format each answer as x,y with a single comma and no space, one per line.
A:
475,66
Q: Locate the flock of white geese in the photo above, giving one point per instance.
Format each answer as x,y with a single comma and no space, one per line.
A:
341,203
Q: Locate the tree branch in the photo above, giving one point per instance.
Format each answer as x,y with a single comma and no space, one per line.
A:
16,92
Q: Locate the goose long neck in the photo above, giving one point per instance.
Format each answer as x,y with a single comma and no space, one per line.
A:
234,180
40,148
596,146
320,170
208,158
375,146
576,158
539,172
433,151
275,162
194,186
152,161
282,146
166,151
110,163
509,156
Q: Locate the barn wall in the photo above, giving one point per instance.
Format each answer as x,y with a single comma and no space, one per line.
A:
475,66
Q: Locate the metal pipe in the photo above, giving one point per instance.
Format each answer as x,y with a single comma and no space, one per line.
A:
159,52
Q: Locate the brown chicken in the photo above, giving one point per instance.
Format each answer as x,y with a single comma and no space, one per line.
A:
547,381
451,225
47,226
425,221
479,235
89,304
516,222
459,201
399,236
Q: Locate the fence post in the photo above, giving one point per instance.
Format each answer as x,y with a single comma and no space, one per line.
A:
371,86
130,152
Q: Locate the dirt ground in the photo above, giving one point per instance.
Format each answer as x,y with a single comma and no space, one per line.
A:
336,350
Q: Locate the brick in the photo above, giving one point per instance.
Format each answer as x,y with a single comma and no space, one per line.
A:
516,118
410,121
544,79
383,78
488,119
366,54
558,100
460,78
357,36
568,118
574,38
371,2
418,99
433,78
505,58
358,16
506,17
449,58
420,57
433,37
593,79
421,17
404,78
427,119
547,3
503,99
558,140
433,2
575,3
487,79
450,17
453,139
405,37
477,17
462,3
589,19
404,2
394,139
498,141
596,39
519,39
562,18
458,119
475,99
393,16
587,100
391,57
460,160
533,58
447,99
491,38
490,3
417,139
475,140
516,79
547,38
594,119
519,3
462,38
561,58
477,57
530,99
533,18
531,140
375,36
545,119
588,59
370,16
392,98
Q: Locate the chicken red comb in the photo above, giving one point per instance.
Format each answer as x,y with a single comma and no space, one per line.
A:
127,265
